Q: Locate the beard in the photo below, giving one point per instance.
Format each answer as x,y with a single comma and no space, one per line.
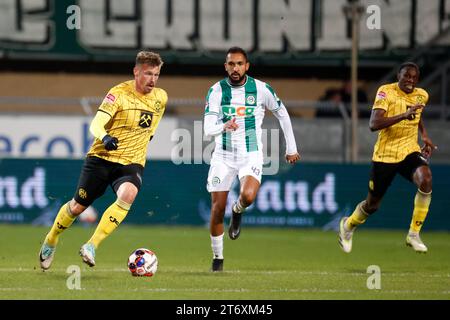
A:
236,82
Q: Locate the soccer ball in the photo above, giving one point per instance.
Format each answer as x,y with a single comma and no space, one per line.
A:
143,262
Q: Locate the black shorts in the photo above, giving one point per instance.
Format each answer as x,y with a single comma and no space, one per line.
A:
98,173
382,174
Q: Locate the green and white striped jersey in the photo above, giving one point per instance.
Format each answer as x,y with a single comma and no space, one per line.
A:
246,103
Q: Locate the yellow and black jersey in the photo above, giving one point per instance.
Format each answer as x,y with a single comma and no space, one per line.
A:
134,119
401,139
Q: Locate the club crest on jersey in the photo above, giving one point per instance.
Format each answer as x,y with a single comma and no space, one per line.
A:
420,99
82,193
158,106
215,181
250,99
145,120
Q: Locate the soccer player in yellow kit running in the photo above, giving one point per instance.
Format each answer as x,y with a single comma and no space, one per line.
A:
123,126
397,114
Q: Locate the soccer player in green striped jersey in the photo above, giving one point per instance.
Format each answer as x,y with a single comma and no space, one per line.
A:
234,114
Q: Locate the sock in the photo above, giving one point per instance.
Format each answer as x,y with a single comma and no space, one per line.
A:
217,246
358,217
238,207
63,220
421,204
110,220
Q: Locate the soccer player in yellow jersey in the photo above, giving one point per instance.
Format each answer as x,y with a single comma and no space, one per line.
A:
123,126
397,114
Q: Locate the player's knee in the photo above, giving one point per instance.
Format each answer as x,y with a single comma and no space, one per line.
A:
76,208
370,207
218,209
426,184
127,198
127,192
247,197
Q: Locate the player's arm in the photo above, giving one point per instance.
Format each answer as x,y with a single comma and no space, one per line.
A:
428,147
97,129
379,121
213,125
274,104
383,101
104,114
282,115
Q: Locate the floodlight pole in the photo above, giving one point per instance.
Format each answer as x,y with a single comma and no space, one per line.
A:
354,11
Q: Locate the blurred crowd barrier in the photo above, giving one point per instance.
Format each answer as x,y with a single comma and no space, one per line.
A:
307,195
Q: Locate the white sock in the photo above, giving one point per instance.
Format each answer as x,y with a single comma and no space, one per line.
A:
238,207
217,246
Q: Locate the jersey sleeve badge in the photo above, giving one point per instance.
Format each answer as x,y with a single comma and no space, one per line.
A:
381,95
110,98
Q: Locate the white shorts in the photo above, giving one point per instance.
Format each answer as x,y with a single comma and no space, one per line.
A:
222,173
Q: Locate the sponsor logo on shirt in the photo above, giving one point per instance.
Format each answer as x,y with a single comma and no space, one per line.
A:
110,98
238,111
381,95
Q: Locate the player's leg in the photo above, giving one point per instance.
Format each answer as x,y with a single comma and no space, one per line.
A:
126,185
250,179
110,220
381,176
422,178
220,179
248,191
64,219
362,211
90,187
218,205
348,225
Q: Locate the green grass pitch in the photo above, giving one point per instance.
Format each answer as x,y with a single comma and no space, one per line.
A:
274,264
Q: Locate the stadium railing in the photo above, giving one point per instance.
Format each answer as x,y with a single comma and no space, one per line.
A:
88,106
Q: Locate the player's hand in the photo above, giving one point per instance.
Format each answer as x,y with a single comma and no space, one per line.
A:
411,111
110,143
292,158
230,125
428,147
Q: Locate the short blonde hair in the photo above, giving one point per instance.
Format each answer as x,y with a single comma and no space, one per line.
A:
151,58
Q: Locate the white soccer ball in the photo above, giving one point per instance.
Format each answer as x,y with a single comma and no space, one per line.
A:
143,263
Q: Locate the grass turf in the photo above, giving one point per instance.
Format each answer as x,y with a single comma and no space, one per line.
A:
273,264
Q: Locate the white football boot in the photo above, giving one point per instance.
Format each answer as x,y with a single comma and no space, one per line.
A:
345,237
46,255
87,252
413,240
